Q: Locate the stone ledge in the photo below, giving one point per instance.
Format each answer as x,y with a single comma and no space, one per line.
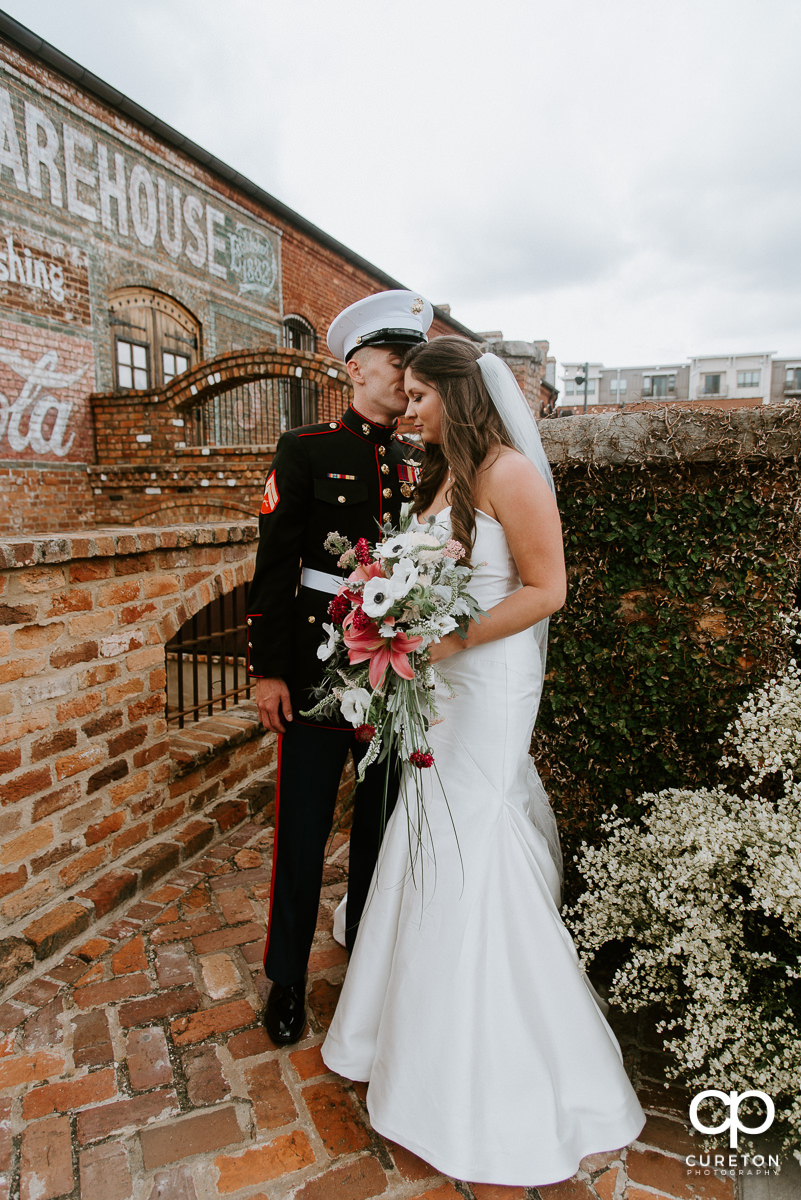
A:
198,743
668,435
114,540
49,936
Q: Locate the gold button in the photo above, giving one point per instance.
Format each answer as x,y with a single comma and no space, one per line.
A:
366,428
341,499
312,620
406,490
387,493
250,620
385,468
332,424
385,517
382,450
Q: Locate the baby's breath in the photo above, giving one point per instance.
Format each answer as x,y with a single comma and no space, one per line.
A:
704,891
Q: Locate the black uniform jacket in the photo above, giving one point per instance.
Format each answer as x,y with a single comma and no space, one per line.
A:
345,476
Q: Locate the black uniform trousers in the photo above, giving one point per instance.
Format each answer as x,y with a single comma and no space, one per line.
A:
310,763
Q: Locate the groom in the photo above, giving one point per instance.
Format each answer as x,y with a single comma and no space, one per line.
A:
348,475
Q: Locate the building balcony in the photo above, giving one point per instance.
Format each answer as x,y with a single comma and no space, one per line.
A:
700,392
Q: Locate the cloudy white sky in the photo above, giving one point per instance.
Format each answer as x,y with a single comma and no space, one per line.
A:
619,177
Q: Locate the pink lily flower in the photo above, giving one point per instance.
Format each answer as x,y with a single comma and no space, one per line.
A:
382,652
360,575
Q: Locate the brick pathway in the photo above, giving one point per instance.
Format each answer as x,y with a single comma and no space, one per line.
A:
138,1069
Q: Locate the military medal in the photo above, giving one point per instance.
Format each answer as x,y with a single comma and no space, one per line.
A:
409,475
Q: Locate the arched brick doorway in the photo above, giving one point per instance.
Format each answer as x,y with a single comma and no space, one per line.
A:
198,449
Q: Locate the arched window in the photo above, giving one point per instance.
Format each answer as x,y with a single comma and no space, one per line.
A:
299,404
299,334
154,338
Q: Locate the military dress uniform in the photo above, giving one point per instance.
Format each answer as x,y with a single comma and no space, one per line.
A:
349,476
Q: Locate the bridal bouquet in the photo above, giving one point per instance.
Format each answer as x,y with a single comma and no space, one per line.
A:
402,595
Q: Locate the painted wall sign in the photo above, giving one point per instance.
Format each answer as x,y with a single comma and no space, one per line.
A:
54,156
43,388
43,276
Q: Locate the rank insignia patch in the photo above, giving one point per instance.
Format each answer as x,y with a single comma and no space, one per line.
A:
271,497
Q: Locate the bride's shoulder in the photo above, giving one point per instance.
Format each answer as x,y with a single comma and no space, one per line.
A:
509,468
512,482
509,483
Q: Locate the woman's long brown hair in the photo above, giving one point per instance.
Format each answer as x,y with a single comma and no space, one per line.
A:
471,428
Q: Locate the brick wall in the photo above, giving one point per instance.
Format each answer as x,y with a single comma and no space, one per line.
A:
53,496
88,789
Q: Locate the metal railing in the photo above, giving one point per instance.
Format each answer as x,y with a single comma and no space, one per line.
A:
256,413
206,661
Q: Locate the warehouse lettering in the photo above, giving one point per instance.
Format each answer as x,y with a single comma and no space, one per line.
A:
66,166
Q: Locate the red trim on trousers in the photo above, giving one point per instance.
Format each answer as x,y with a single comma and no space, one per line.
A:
275,843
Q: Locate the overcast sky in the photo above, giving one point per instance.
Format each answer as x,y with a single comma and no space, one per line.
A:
619,177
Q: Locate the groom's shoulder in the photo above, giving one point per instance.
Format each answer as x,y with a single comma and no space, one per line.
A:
411,449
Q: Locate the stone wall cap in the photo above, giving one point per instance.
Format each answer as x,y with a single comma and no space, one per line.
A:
669,435
111,540
506,349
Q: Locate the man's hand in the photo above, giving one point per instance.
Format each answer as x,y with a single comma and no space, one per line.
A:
272,699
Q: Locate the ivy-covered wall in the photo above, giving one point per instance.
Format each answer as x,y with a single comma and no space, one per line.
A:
683,541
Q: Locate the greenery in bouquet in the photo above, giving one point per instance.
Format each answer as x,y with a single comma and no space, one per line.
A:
701,900
401,595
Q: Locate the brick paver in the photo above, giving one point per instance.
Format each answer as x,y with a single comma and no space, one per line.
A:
137,1068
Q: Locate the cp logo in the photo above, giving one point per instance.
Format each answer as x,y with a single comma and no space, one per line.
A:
732,1101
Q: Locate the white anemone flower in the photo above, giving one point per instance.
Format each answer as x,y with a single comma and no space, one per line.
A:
354,704
393,547
403,578
378,596
326,649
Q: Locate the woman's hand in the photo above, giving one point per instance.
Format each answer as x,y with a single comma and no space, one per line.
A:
446,647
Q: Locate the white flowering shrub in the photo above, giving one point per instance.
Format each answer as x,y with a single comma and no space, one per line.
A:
702,898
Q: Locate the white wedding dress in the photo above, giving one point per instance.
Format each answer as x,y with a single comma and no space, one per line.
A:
463,1005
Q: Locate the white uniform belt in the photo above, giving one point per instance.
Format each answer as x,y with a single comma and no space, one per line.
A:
321,581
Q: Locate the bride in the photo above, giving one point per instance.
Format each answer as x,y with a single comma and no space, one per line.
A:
486,1051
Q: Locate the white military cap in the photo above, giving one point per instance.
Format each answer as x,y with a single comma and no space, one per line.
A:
397,318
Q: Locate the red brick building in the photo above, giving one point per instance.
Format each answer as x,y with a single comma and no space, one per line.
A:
129,255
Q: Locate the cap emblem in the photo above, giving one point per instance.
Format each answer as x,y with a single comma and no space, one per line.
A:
417,305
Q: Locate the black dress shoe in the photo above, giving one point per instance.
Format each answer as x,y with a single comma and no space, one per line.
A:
285,1014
